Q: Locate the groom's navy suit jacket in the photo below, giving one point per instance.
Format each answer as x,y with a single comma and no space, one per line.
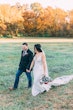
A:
25,60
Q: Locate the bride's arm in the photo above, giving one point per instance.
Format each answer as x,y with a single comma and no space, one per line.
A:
32,64
44,63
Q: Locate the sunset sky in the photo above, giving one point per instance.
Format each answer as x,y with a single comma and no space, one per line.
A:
63,4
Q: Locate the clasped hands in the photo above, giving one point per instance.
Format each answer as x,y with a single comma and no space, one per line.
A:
27,70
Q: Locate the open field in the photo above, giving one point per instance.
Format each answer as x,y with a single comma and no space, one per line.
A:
60,62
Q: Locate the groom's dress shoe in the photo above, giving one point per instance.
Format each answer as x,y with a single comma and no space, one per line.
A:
11,88
28,87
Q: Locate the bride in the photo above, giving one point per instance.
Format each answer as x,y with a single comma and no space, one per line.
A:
40,69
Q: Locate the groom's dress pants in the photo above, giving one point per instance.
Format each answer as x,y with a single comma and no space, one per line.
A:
18,74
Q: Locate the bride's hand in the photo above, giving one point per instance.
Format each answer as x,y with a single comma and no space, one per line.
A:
44,74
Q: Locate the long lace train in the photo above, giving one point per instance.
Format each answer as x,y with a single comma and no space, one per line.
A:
58,82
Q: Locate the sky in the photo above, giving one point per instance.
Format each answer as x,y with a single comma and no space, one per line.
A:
63,4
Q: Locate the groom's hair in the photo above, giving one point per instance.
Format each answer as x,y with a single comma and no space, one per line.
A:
25,44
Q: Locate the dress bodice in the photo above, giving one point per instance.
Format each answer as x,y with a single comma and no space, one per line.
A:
38,60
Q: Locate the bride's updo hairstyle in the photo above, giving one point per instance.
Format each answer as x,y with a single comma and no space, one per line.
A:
38,47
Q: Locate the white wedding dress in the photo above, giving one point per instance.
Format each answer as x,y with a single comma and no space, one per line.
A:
38,72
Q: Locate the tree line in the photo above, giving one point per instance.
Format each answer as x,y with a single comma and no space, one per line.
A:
35,21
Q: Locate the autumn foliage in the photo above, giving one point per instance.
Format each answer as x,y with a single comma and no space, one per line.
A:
35,21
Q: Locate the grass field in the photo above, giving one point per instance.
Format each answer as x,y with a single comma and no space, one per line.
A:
60,62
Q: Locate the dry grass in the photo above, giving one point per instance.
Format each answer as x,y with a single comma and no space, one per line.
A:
4,40
60,62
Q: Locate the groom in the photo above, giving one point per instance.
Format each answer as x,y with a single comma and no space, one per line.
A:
25,61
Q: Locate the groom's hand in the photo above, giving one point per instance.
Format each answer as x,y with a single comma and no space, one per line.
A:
27,70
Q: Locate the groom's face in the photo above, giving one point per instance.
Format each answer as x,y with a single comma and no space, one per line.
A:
24,47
